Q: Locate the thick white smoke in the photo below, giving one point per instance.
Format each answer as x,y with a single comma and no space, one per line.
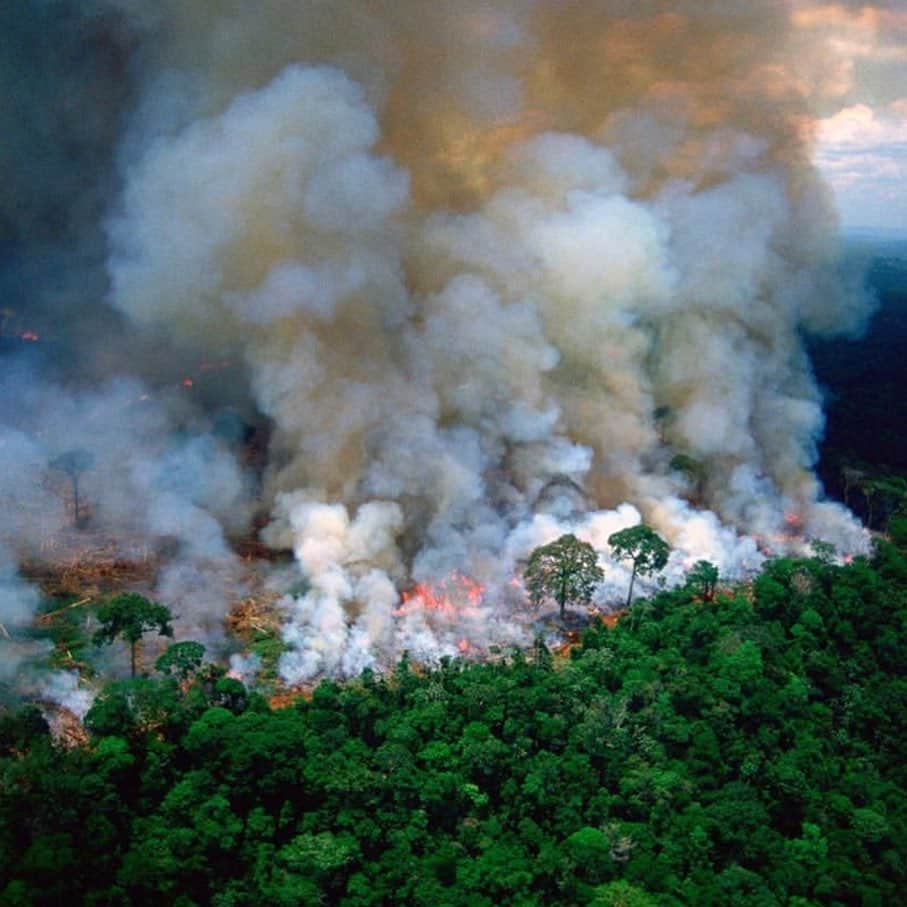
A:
498,271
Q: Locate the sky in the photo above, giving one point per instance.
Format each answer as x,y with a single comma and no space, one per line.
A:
861,108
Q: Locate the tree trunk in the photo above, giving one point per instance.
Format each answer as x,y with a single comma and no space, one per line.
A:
75,500
132,646
632,579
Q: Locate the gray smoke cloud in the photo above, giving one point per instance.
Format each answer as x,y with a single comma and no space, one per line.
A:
148,488
490,269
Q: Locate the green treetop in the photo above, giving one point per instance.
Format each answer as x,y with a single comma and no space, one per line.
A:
703,580
131,616
181,660
565,570
643,547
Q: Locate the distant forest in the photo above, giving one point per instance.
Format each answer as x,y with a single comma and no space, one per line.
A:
864,379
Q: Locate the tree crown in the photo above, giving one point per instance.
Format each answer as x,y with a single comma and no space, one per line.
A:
73,462
703,578
131,616
182,659
566,570
643,546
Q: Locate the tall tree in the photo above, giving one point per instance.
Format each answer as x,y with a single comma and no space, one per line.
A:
643,547
73,463
131,616
565,570
853,478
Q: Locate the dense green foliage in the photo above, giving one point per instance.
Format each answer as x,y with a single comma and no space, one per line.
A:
702,578
745,751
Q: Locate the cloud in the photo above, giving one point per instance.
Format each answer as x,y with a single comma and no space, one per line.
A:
852,64
863,153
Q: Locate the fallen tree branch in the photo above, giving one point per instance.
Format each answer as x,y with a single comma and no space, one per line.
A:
50,615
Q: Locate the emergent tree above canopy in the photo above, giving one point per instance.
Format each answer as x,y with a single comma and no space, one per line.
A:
131,616
566,570
643,547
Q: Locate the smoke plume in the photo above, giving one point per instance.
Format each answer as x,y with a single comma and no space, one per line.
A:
493,272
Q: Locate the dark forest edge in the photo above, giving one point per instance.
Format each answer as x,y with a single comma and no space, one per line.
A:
862,380
746,750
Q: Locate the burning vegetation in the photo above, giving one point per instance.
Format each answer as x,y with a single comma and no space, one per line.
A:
452,597
409,322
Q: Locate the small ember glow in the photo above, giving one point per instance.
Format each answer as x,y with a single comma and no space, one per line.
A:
793,521
188,382
30,335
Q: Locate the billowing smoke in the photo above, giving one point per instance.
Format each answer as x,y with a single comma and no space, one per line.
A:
495,271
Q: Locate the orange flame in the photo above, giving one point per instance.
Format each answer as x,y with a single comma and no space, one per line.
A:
448,599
